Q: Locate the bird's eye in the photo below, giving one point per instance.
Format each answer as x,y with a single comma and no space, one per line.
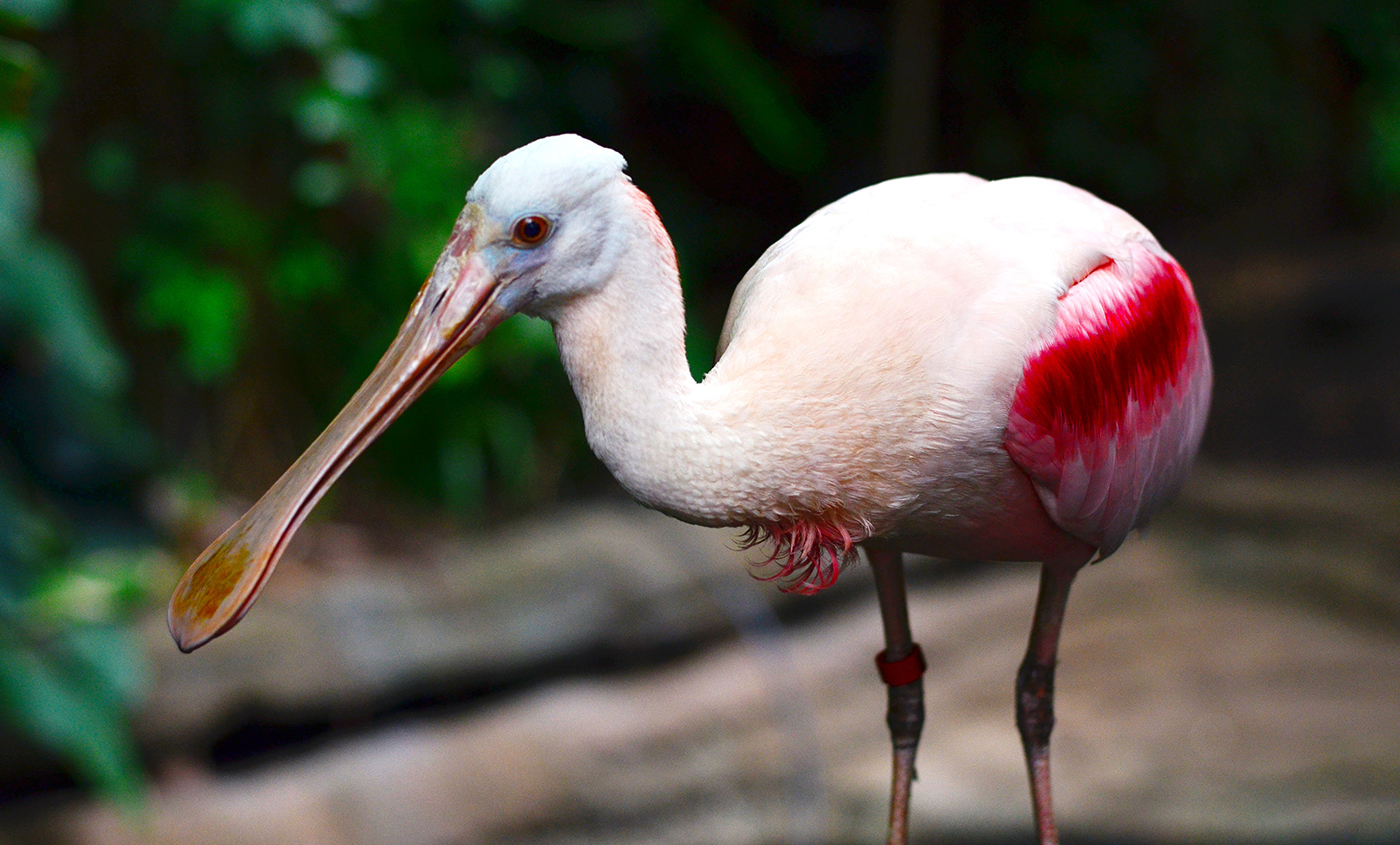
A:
529,231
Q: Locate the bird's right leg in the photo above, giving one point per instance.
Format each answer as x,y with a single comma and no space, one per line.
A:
1035,690
901,666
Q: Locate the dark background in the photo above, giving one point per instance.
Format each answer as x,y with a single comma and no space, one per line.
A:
214,213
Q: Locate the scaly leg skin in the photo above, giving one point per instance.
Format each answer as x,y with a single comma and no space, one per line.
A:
901,666
1035,691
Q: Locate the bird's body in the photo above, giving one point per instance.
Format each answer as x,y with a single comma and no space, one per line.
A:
869,368
1008,370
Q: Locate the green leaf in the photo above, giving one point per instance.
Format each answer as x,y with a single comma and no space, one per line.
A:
70,694
40,284
304,271
19,184
111,656
205,304
21,67
493,11
352,73
1385,142
320,182
25,537
98,587
39,14
323,116
260,26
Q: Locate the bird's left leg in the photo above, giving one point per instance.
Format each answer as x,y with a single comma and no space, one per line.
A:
1035,689
901,666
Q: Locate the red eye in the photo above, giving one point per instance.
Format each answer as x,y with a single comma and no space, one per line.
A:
530,230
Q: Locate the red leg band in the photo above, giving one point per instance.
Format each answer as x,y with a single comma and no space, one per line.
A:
905,670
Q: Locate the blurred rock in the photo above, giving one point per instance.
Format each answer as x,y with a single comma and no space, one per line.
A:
1197,702
332,637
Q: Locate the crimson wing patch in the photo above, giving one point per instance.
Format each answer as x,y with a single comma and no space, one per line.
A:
1110,409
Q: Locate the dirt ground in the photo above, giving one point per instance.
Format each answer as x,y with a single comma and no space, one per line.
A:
608,675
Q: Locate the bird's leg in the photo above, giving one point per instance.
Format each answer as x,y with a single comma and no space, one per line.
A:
901,666
1035,690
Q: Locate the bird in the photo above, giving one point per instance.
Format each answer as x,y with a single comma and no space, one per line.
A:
1006,370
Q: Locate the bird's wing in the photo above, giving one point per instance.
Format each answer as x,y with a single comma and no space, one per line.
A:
1111,405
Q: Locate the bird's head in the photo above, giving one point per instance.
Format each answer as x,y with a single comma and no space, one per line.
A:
533,235
538,221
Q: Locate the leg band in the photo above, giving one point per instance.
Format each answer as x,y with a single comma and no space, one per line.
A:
905,670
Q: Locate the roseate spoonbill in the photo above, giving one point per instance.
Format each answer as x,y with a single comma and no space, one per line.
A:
1009,370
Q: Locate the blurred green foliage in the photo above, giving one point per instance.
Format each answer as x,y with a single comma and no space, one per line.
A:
213,214
70,667
346,134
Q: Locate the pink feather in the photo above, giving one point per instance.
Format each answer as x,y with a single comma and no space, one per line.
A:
1111,405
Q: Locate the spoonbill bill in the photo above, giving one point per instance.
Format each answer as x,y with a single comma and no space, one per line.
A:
1010,370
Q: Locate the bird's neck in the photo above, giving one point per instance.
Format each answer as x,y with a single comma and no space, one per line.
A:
623,347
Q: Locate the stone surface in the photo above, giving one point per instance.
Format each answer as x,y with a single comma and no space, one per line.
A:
1198,700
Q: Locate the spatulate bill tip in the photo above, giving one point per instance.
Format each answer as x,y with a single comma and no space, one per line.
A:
186,646
216,590
197,614
191,633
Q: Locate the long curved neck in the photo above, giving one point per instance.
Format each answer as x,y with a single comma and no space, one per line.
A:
623,347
